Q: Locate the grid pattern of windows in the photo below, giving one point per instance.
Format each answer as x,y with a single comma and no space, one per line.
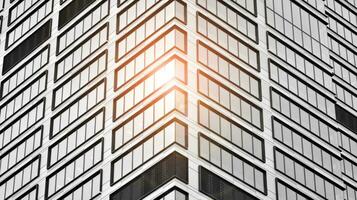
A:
28,23
346,96
88,189
152,24
80,79
71,10
20,8
296,23
230,131
350,192
172,166
81,52
232,163
132,12
232,17
249,5
74,169
347,75
31,194
218,188
306,176
78,108
21,151
22,177
348,144
343,51
76,138
343,11
228,70
173,69
174,100
82,26
301,89
24,72
349,168
23,97
306,147
304,118
27,46
285,191
348,34
21,124
174,132
299,62
173,39
228,41
230,100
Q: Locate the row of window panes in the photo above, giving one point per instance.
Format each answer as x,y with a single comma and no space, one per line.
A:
79,80
304,118
151,146
174,38
174,194
82,26
29,23
20,178
346,96
306,176
299,25
78,107
31,194
248,5
306,147
173,69
24,72
173,166
28,119
73,169
23,98
151,25
132,12
232,17
349,144
88,189
230,100
20,8
20,151
343,51
216,187
228,69
228,41
232,163
349,168
342,30
285,191
231,131
145,118
343,11
299,62
350,193
344,73
76,138
301,89
81,52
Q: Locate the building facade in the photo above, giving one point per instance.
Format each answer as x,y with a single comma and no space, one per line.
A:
178,99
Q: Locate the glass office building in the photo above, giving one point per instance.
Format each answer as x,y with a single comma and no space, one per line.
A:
178,99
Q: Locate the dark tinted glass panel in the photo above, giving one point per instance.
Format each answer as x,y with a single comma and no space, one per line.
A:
27,46
218,188
72,10
346,118
173,166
